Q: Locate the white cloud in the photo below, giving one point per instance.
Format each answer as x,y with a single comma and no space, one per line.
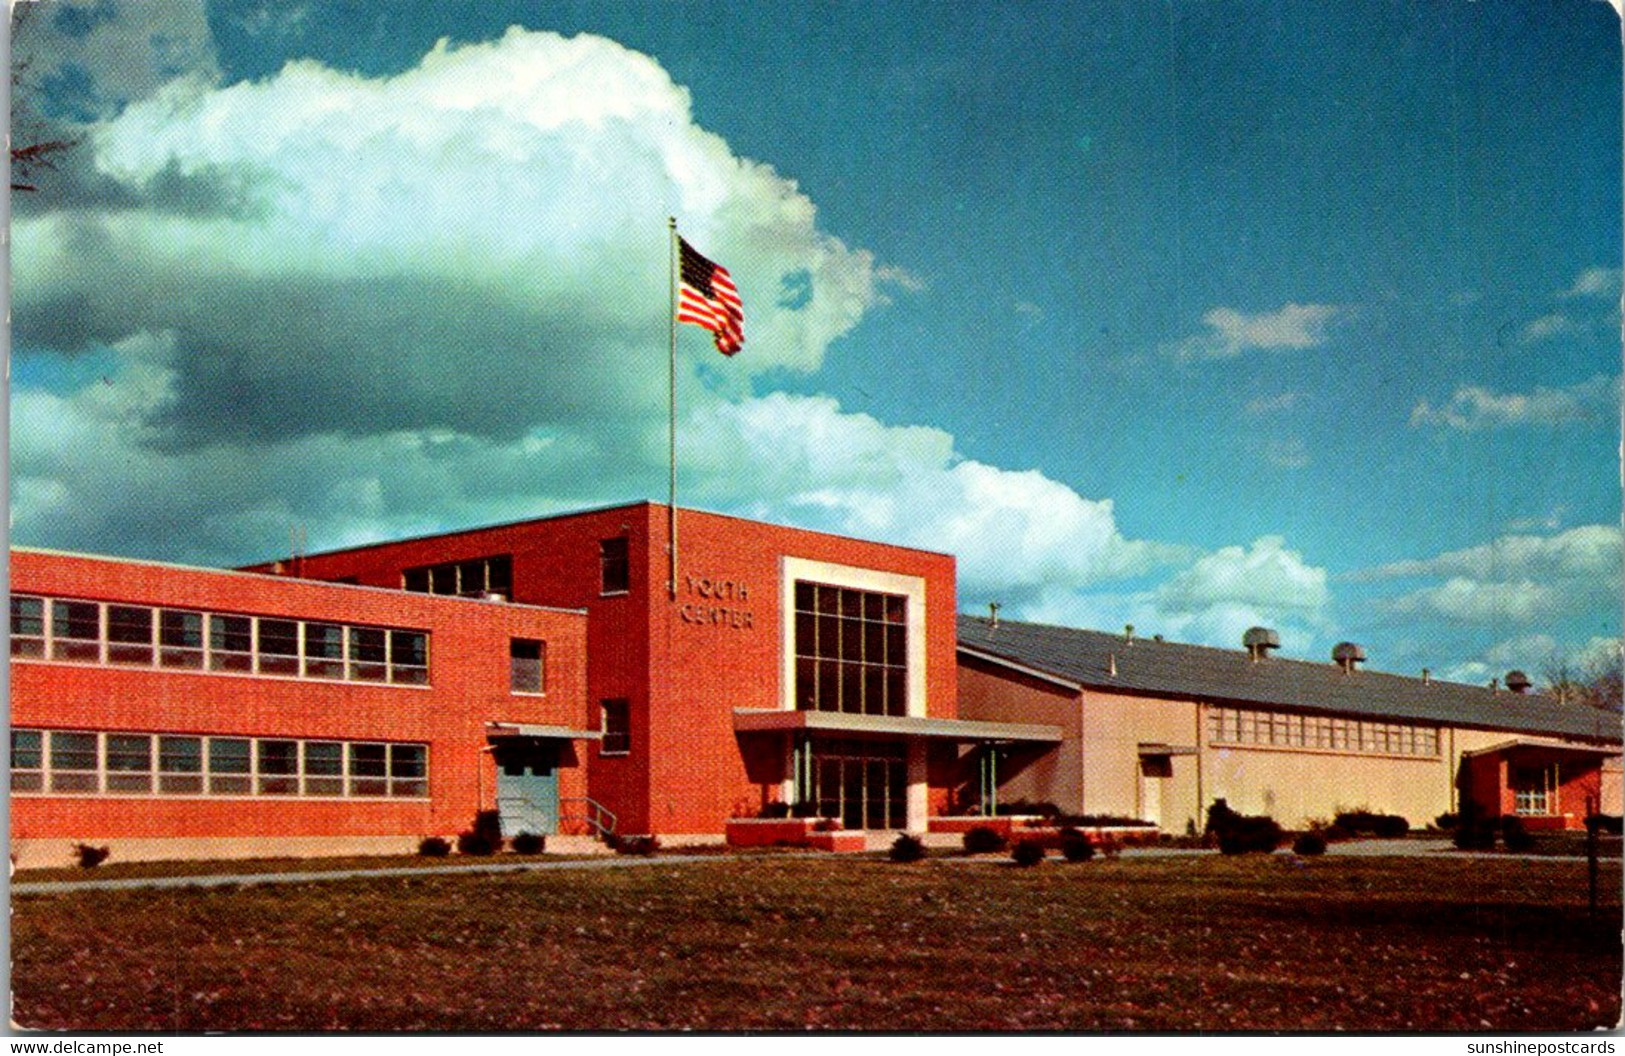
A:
1473,407
1288,453
1515,579
1594,282
1547,326
1591,550
1539,656
1269,405
1231,332
475,244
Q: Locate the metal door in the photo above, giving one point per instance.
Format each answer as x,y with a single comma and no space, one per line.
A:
528,788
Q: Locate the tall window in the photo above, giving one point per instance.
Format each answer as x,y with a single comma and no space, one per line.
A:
617,727
527,660
851,650
1534,789
615,566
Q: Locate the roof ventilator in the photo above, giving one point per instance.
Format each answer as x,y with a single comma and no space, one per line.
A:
1518,682
1346,655
1259,641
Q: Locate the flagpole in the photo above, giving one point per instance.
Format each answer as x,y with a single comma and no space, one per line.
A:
671,379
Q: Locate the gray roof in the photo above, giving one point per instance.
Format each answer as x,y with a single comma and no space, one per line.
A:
1172,669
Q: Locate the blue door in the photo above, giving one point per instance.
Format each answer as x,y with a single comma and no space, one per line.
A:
528,787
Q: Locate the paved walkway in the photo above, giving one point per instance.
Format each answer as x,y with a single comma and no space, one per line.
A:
55,887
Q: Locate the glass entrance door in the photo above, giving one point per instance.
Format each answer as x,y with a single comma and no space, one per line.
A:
863,784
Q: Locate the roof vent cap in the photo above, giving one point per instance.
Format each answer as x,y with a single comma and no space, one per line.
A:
1347,654
1259,640
1518,682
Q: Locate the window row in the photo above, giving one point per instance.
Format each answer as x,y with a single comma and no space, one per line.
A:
474,578
83,763
182,639
1240,726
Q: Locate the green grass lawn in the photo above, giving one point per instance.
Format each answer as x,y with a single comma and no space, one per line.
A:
1175,944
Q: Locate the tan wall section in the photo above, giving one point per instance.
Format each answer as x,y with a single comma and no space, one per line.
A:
1295,786
1114,727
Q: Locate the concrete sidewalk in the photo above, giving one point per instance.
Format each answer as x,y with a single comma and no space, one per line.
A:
56,887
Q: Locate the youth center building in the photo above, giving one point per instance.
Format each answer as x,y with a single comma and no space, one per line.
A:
556,670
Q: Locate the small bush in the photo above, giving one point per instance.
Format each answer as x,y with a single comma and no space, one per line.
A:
1367,823
1335,833
1516,835
1021,806
805,809
984,839
827,825
640,846
90,857
434,847
1309,844
907,848
1027,852
477,844
1075,846
1246,834
1108,847
1447,821
775,810
1473,835
1611,824
528,843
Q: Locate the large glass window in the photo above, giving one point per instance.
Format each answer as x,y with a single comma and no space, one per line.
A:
472,578
1242,726
230,764
1534,790
279,768
408,770
851,650
408,657
324,768
231,643
279,647
369,769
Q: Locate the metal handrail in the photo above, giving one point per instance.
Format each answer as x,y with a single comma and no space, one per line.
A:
596,814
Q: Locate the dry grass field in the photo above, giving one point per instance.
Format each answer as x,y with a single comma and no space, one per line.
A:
794,943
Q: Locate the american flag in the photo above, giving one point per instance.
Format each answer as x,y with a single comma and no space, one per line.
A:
708,297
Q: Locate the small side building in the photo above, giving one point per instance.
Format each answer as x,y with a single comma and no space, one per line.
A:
1159,730
173,712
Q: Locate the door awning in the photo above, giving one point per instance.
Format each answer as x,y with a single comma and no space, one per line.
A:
1537,744
552,733
762,720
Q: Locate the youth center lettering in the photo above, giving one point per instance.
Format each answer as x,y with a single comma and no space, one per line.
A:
719,604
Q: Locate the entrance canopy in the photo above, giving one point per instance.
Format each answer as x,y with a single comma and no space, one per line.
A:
1538,746
759,720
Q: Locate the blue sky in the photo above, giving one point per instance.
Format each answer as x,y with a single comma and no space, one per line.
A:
1184,315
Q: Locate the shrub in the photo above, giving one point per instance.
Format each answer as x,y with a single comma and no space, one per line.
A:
1075,846
528,843
485,837
1242,833
1022,806
434,847
1335,833
1473,833
775,810
1515,834
1612,824
640,846
907,848
90,857
804,809
827,825
1447,821
984,839
1309,844
1027,852
1367,823
1109,847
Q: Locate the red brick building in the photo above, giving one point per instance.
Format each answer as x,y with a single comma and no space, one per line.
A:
780,666
179,712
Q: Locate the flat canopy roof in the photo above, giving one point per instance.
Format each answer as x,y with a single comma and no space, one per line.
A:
1536,743
759,720
526,729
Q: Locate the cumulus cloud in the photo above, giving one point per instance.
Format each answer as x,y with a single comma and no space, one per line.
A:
1292,327
1224,592
1474,407
1536,655
1263,406
1591,550
475,244
1547,326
